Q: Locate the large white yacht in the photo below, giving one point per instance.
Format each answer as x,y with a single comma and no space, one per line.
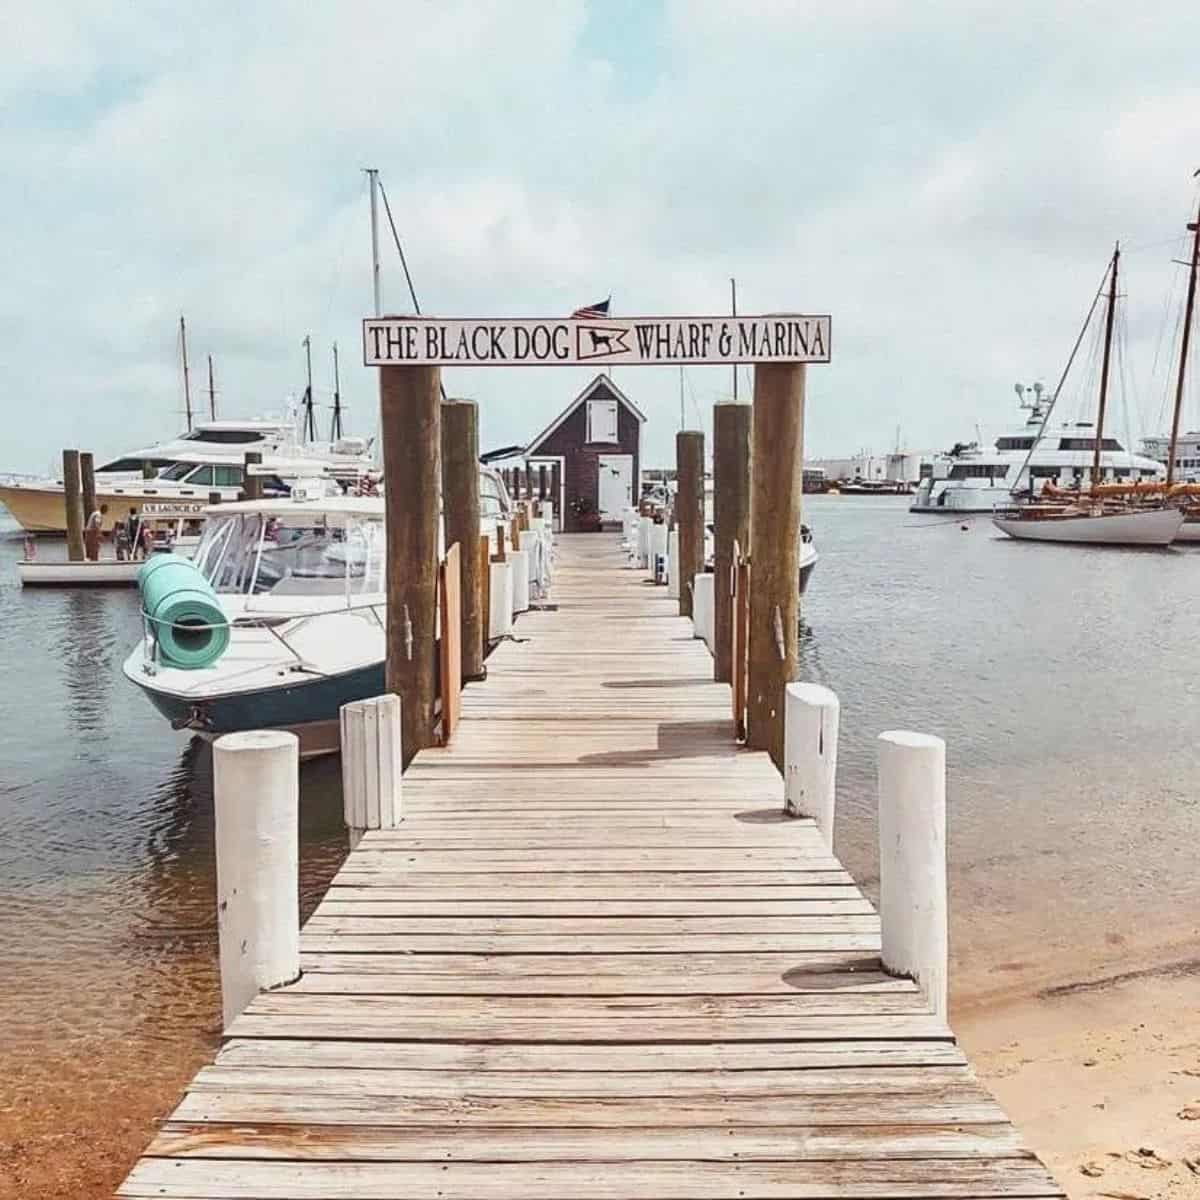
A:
970,479
207,459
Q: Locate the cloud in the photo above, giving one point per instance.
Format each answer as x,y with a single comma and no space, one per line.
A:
946,180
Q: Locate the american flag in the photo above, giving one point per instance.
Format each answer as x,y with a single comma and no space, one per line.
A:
591,311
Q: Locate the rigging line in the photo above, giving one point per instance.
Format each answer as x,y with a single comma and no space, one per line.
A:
412,291
1061,380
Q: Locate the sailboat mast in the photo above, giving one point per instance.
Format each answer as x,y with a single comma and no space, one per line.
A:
187,382
1189,308
373,176
1108,333
212,392
682,422
733,307
335,429
310,424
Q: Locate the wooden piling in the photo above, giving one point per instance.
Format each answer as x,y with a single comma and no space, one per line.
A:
214,498
87,483
689,512
410,425
252,487
73,503
731,521
460,505
542,481
556,492
775,478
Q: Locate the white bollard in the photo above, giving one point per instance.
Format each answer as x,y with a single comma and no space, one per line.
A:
371,764
500,620
518,561
658,552
643,541
702,607
810,747
673,563
530,542
256,792
912,860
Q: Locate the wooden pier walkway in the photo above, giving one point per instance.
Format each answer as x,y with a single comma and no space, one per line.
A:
595,962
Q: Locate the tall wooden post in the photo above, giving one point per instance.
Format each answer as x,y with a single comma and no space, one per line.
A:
541,481
410,410
689,512
731,521
73,501
460,504
252,487
87,483
556,492
775,479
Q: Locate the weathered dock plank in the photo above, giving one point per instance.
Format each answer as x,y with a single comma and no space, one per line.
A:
595,961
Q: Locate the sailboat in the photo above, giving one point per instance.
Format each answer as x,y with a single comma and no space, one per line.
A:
1092,517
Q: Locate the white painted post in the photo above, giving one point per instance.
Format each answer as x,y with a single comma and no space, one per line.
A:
673,564
645,524
702,606
912,860
371,764
658,550
500,619
810,747
518,561
256,791
531,544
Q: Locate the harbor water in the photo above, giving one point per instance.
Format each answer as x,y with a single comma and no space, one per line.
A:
1062,680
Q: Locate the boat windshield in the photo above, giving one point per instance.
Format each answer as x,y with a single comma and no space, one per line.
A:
255,554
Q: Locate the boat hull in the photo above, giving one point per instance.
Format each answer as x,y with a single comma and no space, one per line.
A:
106,573
1155,527
1189,531
41,509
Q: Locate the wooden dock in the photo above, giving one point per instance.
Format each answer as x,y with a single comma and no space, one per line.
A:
595,962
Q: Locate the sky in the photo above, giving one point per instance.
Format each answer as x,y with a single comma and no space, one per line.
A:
946,179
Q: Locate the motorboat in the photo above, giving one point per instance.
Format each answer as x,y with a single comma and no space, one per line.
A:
208,459
969,479
808,556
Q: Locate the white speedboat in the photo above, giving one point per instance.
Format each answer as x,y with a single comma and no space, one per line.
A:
208,459
973,480
808,556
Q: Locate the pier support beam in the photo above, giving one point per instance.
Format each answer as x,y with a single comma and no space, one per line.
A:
87,483
775,479
73,503
460,503
252,485
256,793
410,409
912,860
371,764
689,512
731,521
811,718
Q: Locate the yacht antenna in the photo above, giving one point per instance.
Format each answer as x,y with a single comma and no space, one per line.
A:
187,383
373,176
1059,386
1108,332
212,392
310,424
733,307
335,429
1189,306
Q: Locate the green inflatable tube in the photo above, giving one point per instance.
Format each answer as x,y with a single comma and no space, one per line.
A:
183,611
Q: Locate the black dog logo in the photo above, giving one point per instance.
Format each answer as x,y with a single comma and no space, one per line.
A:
600,340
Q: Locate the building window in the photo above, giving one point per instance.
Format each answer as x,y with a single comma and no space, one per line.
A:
602,421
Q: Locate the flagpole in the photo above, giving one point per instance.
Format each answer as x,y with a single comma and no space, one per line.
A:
733,301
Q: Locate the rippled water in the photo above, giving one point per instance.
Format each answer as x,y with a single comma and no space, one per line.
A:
1064,681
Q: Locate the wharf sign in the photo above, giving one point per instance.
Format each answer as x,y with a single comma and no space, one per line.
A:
623,341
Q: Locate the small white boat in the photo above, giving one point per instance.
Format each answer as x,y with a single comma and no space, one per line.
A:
1148,527
107,572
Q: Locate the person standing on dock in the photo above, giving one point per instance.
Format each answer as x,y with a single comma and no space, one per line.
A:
133,529
93,532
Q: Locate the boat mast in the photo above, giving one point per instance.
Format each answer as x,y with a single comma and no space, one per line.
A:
310,424
1108,332
373,176
1183,349
187,383
212,392
733,307
335,428
682,422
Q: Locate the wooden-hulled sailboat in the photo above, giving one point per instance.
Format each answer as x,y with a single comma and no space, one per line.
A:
1093,518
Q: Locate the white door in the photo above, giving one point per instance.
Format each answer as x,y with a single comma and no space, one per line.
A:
616,485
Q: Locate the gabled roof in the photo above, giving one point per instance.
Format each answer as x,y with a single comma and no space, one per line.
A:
601,381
